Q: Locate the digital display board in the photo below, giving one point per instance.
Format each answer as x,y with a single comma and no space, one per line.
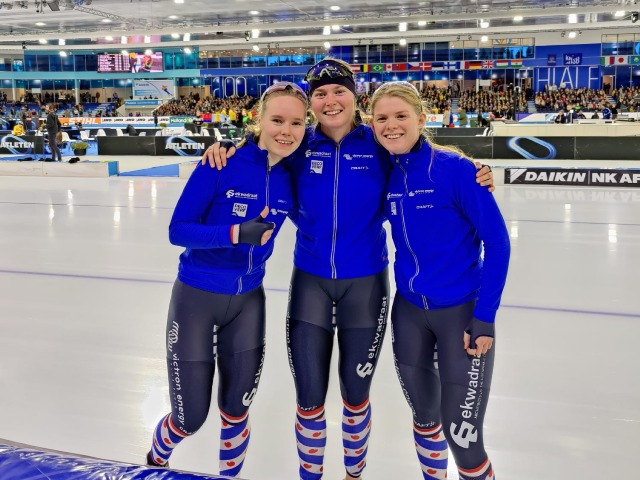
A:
132,62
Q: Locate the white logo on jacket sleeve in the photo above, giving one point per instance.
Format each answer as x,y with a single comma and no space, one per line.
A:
316,166
240,209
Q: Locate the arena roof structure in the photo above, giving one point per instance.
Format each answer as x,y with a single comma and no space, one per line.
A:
237,24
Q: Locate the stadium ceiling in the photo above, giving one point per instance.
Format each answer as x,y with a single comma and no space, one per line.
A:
101,24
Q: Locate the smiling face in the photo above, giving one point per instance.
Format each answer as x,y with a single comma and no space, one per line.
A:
396,123
334,107
281,125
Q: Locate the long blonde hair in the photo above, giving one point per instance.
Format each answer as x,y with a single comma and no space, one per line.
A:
407,92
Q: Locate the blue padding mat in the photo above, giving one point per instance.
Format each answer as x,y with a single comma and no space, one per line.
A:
19,463
164,171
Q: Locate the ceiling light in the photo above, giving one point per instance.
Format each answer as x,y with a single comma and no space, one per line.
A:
106,20
335,28
108,38
572,34
179,1
255,33
326,30
124,52
186,37
175,35
484,24
123,40
327,45
148,51
402,27
484,39
63,53
254,12
422,23
40,24
619,13
62,42
403,41
256,48
43,41
573,18
173,17
147,39
335,8
187,50
518,18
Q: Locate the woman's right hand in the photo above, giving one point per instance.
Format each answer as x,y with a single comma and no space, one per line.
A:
216,155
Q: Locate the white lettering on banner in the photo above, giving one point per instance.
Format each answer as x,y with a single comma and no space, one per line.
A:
17,145
532,176
184,146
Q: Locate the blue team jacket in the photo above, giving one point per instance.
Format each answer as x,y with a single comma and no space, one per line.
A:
339,191
440,220
214,200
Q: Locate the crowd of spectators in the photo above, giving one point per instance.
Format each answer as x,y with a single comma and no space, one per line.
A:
237,110
500,103
587,99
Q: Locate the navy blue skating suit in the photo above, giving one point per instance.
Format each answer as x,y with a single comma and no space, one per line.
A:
441,223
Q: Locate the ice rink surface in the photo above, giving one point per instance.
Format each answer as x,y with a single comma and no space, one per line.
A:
86,271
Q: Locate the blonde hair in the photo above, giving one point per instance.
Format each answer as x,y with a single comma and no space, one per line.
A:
407,92
254,127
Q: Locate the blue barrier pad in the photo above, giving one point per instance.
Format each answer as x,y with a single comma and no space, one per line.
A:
31,464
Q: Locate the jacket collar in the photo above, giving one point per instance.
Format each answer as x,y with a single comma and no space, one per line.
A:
316,136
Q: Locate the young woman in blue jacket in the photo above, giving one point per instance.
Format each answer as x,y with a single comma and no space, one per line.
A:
448,291
340,279
227,221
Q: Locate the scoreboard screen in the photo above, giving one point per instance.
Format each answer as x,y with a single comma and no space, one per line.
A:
132,62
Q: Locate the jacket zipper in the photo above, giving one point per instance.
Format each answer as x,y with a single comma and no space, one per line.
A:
406,237
250,266
334,273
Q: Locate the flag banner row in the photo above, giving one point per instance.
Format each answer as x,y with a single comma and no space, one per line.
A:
435,66
611,60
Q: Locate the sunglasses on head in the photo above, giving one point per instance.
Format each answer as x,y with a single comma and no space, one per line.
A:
283,86
328,68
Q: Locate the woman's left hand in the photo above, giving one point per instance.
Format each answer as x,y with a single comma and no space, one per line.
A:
483,345
484,175
483,332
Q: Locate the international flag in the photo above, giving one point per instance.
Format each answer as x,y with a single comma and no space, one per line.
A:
437,65
450,65
487,64
634,60
356,68
474,65
425,66
388,67
377,67
400,67
515,63
413,66
502,63
614,60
